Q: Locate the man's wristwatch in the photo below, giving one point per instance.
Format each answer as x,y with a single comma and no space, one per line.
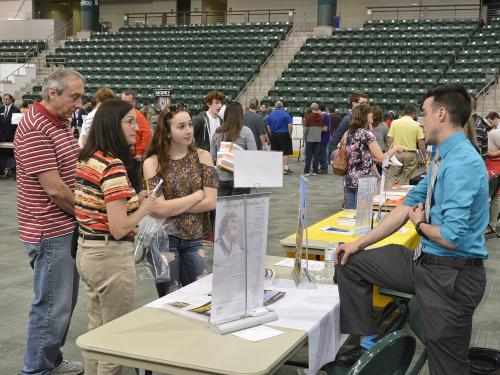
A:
417,228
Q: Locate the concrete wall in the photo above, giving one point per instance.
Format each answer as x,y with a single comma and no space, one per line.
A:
31,29
9,9
354,13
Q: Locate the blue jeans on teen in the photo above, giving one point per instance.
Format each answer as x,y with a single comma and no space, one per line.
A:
55,284
350,197
187,263
323,157
312,153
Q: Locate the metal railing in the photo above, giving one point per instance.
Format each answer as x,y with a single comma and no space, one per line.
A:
206,17
33,57
276,57
422,11
484,92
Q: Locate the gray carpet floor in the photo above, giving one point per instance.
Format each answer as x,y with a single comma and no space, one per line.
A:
325,198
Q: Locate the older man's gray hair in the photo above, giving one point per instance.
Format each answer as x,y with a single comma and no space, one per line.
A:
278,104
59,81
314,107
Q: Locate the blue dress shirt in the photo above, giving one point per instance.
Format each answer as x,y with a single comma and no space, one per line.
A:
460,200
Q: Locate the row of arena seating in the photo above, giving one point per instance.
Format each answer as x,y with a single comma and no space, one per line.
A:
427,22
393,61
183,58
481,53
428,52
18,50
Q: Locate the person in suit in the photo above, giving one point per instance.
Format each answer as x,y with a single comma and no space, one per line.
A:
7,130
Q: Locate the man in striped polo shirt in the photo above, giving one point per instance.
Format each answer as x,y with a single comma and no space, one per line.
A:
46,154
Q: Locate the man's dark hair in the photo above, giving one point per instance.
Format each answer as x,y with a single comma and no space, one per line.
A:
254,103
492,115
409,109
321,106
106,134
455,99
128,92
356,95
10,97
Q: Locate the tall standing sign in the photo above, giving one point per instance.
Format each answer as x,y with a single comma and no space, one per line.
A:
162,98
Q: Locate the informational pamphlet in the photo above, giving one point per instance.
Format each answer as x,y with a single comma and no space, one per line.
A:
239,256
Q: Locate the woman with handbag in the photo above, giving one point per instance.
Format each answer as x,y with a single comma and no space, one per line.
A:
190,191
362,152
107,209
230,133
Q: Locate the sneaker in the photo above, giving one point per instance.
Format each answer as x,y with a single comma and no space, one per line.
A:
69,367
287,171
313,174
306,174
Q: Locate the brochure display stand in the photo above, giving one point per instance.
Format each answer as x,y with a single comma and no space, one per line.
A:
301,274
367,187
239,262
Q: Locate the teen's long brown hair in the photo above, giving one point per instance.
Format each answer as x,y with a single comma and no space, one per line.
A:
233,122
359,118
160,144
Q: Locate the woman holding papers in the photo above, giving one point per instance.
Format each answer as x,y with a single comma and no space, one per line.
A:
231,131
190,190
107,209
363,152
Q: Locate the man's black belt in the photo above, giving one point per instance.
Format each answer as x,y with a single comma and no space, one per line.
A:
450,261
105,237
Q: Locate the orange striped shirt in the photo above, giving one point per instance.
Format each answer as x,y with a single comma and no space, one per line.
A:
99,180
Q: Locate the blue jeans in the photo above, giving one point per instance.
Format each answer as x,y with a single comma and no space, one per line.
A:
187,263
350,197
55,284
323,157
312,152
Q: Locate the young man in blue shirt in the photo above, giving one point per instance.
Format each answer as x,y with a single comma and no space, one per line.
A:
449,209
280,125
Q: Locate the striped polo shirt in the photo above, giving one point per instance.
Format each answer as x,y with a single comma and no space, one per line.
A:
99,180
43,142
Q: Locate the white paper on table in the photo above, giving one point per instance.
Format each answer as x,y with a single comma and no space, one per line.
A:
258,333
314,265
258,169
403,230
201,287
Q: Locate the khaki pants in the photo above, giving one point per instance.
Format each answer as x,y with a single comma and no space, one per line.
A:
401,175
107,270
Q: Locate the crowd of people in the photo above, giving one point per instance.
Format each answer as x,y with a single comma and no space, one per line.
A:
96,189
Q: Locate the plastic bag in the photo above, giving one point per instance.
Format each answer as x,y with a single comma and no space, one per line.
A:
156,257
